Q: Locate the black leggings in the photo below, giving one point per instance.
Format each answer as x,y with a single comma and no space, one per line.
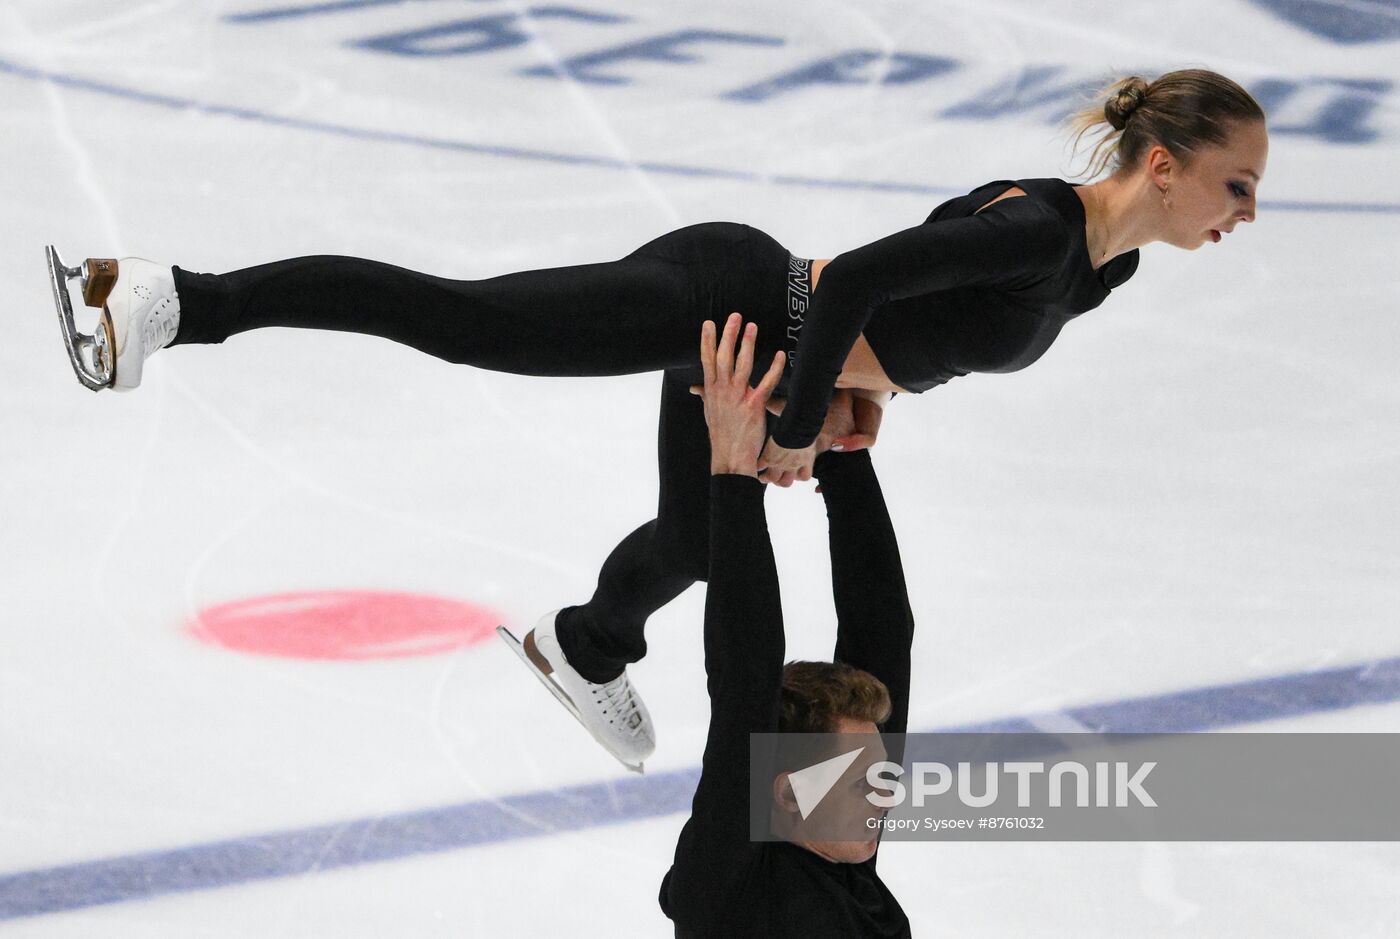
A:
638,314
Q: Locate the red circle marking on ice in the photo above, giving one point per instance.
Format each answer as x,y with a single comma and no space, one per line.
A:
343,624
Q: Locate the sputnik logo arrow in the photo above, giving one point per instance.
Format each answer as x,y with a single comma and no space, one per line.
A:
810,785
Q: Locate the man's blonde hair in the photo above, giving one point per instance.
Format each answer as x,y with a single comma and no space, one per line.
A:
816,694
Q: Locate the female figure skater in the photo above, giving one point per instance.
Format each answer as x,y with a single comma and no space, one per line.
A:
722,883
985,284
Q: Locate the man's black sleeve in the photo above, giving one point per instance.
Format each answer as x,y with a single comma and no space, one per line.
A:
744,670
875,626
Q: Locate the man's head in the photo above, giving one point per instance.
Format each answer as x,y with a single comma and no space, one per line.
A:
832,698
816,695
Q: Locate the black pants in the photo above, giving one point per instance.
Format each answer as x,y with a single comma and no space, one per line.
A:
638,314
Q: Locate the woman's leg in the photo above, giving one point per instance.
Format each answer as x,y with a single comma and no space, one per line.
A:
640,313
660,559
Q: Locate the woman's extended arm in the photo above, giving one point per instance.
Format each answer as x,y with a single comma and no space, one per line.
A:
1011,242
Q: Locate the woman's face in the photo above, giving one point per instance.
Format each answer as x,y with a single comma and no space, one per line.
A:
1215,190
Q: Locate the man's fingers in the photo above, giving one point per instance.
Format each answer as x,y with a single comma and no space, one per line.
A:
775,405
743,365
773,376
707,352
724,362
697,389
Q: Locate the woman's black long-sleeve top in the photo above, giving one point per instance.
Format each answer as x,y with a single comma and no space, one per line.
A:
966,291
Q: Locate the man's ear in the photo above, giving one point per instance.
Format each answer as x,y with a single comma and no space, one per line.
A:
783,796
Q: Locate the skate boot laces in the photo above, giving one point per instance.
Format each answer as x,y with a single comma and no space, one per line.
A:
620,703
160,324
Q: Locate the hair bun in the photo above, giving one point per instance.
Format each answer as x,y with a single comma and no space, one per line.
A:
1124,102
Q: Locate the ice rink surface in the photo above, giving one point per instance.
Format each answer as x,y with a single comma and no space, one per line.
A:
1183,517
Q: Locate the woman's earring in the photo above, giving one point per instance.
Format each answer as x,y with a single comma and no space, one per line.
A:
1166,199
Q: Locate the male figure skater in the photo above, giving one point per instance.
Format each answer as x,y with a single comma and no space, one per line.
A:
722,883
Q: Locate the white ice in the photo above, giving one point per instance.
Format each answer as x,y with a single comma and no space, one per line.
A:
1195,486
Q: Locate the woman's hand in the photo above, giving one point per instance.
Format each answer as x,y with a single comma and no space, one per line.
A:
781,466
735,412
868,409
852,423
840,421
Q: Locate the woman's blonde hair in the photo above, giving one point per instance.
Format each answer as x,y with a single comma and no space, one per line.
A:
1184,111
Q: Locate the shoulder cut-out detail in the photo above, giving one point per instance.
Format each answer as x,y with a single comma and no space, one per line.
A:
1011,193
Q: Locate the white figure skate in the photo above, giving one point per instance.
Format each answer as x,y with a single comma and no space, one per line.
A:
613,712
140,314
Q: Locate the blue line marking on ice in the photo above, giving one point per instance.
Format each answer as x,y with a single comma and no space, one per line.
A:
574,808
171,102
315,9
